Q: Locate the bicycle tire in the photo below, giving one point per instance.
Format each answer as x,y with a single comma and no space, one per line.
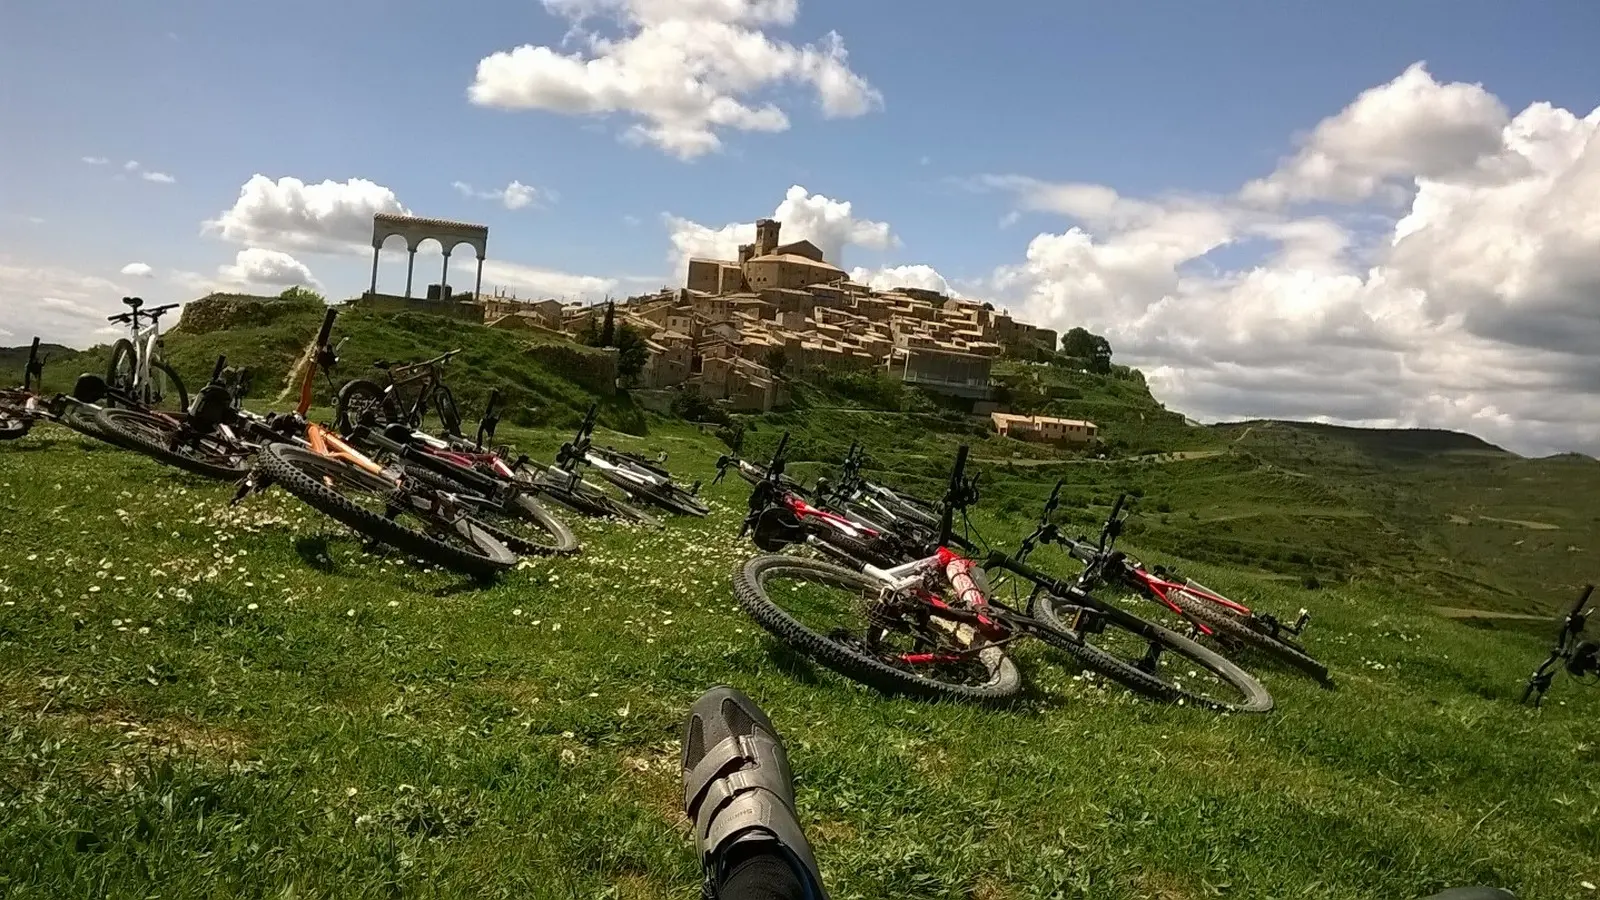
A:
856,551
358,390
123,425
561,541
121,350
748,587
1057,634
12,426
160,365
1234,628
444,402
281,462
81,420
589,502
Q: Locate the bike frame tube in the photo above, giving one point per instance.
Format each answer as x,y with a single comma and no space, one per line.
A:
327,444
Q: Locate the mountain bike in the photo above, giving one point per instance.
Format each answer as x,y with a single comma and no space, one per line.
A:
479,475
1581,658
137,368
382,504
638,478
21,406
876,502
779,515
363,402
933,628
208,440
1208,612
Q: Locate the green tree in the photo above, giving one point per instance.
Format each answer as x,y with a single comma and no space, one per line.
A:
632,354
608,331
302,295
590,335
775,360
1100,357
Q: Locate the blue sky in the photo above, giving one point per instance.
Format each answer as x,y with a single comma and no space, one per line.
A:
1150,99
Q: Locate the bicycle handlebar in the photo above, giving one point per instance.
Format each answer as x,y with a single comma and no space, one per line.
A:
327,326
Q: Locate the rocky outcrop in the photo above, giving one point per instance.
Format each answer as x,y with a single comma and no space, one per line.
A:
217,312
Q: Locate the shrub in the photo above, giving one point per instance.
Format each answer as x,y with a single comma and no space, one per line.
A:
1310,583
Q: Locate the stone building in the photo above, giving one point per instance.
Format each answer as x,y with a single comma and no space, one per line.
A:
1045,429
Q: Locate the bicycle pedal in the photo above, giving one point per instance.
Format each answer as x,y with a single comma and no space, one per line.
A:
1301,621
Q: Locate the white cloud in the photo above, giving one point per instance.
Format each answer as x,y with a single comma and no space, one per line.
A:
1411,127
130,166
686,69
293,216
58,304
1470,307
533,281
95,160
272,268
913,276
138,270
515,195
830,224
157,177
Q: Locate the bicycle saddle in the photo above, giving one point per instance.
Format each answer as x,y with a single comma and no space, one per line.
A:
381,364
134,302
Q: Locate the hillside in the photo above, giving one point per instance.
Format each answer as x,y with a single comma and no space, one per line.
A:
542,382
1448,515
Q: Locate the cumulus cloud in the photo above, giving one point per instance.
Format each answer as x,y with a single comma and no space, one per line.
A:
912,276
158,177
59,304
684,69
830,224
515,195
534,281
138,270
1471,306
271,268
1411,127
292,216
95,160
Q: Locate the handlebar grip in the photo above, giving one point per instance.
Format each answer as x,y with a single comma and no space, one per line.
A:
494,397
327,326
116,317
216,371
783,444
1117,507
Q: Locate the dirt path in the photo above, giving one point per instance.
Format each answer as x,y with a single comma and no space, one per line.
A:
1452,612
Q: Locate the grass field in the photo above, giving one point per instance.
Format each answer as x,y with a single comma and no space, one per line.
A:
205,701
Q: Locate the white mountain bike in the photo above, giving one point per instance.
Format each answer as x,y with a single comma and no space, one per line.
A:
138,369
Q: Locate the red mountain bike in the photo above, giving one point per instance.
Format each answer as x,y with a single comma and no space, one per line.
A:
1208,612
933,627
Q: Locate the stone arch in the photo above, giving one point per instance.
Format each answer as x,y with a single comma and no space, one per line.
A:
415,230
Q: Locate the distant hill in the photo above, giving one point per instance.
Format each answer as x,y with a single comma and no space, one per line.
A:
1391,444
13,359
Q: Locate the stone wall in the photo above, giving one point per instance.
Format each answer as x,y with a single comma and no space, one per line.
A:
594,368
389,303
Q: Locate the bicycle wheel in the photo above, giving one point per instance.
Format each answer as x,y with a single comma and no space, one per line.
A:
1144,657
119,371
839,618
373,506
168,441
449,416
165,390
1230,627
514,518
362,402
15,421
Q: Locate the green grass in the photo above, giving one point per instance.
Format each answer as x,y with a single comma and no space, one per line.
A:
198,700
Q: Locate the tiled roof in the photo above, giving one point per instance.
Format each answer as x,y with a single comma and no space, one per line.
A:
419,221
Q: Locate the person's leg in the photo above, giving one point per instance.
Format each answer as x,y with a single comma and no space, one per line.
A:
738,792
